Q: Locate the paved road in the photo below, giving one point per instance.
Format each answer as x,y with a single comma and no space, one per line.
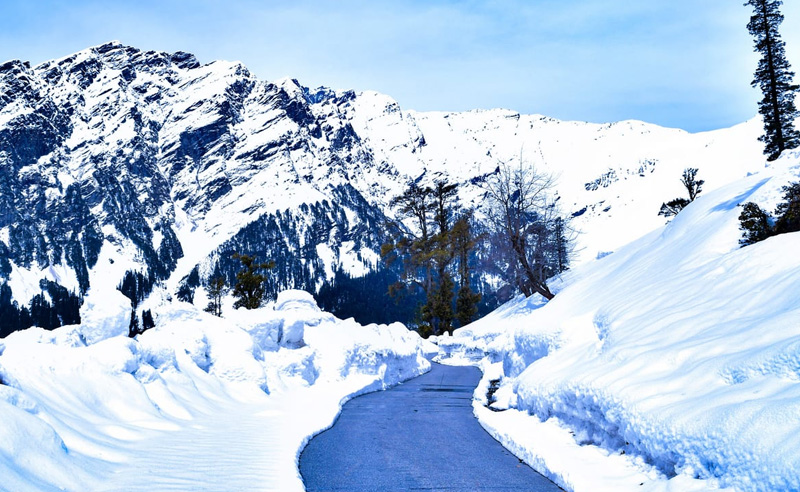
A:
420,435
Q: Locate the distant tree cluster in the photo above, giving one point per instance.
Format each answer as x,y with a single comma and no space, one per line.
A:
366,298
147,323
757,224
54,306
693,187
248,289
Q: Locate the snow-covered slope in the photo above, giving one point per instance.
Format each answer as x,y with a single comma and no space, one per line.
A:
197,403
677,356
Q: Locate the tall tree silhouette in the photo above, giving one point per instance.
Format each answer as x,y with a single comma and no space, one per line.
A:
774,77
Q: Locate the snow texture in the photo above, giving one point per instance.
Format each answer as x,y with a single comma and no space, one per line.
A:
672,364
197,403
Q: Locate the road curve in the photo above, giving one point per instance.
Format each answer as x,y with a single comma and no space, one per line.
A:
420,435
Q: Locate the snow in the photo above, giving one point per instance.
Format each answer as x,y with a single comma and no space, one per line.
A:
646,161
197,403
104,314
671,363
25,282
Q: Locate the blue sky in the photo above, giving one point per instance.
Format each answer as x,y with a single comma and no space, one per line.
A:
681,63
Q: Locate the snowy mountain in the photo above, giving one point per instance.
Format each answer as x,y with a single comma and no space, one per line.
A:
119,166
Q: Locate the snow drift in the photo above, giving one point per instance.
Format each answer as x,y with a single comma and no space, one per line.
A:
679,355
197,403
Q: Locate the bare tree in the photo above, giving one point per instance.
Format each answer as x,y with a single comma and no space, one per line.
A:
529,237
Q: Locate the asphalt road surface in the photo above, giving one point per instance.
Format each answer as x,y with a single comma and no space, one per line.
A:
420,435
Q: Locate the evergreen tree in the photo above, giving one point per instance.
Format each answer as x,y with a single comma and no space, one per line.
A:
693,187
774,77
133,327
788,212
249,288
414,203
673,207
440,302
464,243
563,245
216,291
147,320
755,224
466,305
427,255
12,316
444,198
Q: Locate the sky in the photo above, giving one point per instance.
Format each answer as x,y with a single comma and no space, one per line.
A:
678,63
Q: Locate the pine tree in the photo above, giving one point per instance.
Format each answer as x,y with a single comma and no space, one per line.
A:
693,187
441,300
444,198
755,224
249,288
774,77
427,253
133,327
147,320
464,242
441,304
466,305
788,212
414,203
562,247
216,291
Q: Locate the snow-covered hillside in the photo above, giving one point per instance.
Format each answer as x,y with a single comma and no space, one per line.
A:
115,160
675,359
197,403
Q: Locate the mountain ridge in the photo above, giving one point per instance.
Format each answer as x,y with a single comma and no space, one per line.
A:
163,160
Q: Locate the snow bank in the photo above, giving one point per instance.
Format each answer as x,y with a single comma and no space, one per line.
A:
197,403
677,358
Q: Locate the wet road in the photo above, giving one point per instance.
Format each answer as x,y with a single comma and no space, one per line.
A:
420,435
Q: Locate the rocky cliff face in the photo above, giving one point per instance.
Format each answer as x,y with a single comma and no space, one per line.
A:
115,160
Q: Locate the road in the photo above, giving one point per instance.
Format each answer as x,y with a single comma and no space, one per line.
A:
420,435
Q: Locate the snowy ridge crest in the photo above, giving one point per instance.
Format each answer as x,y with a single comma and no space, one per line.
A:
163,160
